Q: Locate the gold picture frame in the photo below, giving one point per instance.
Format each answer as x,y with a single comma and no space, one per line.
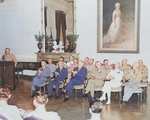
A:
118,26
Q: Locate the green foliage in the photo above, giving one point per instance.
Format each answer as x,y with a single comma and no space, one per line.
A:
72,38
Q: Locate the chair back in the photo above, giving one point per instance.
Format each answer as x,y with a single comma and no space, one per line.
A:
3,117
32,118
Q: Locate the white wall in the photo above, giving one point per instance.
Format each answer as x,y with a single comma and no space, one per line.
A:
20,20
87,30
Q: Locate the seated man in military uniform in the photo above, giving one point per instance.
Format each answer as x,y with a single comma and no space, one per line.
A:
107,67
96,77
144,71
126,69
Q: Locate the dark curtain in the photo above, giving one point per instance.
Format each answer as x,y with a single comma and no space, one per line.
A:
45,17
61,22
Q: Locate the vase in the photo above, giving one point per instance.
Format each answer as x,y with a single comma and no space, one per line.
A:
40,45
73,46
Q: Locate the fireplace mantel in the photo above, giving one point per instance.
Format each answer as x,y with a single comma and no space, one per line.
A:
56,56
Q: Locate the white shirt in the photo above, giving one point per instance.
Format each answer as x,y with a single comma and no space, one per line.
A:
94,116
69,63
117,74
43,114
11,112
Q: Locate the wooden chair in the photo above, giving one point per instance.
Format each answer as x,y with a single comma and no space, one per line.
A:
78,87
3,117
113,89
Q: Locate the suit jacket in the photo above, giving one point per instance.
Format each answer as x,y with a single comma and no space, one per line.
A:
52,68
45,73
63,73
81,74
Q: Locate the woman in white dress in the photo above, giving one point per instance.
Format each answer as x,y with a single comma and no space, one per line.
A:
114,35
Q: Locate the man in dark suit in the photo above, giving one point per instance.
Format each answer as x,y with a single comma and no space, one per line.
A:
41,75
61,73
78,79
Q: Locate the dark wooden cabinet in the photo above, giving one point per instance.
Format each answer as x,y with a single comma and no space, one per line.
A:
7,73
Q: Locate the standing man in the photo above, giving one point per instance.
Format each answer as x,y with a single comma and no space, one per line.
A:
61,73
78,79
52,67
9,57
41,75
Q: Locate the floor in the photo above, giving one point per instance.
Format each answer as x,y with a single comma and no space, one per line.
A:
78,109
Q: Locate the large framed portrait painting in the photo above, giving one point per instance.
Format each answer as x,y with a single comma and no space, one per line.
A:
118,26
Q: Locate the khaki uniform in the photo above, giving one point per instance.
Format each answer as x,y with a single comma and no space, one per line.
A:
96,78
90,68
127,70
137,75
144,72
107,69
85,65
10,57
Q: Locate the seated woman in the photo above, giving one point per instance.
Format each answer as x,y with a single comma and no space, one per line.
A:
72,70
40,113
7,112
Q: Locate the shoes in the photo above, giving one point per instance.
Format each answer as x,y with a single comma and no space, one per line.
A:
63,92
124,103
121,101
108,102
56,97
50,96
65,99
102,98
84,95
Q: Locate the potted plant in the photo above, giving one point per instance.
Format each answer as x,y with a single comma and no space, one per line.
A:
39,38
72,39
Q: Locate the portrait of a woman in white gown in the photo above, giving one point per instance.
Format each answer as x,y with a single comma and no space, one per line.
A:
118,26
115,32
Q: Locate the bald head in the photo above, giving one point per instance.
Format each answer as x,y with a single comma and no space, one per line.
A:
135,65
140,62
98,64
124,62
91,61
80,63
117,65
